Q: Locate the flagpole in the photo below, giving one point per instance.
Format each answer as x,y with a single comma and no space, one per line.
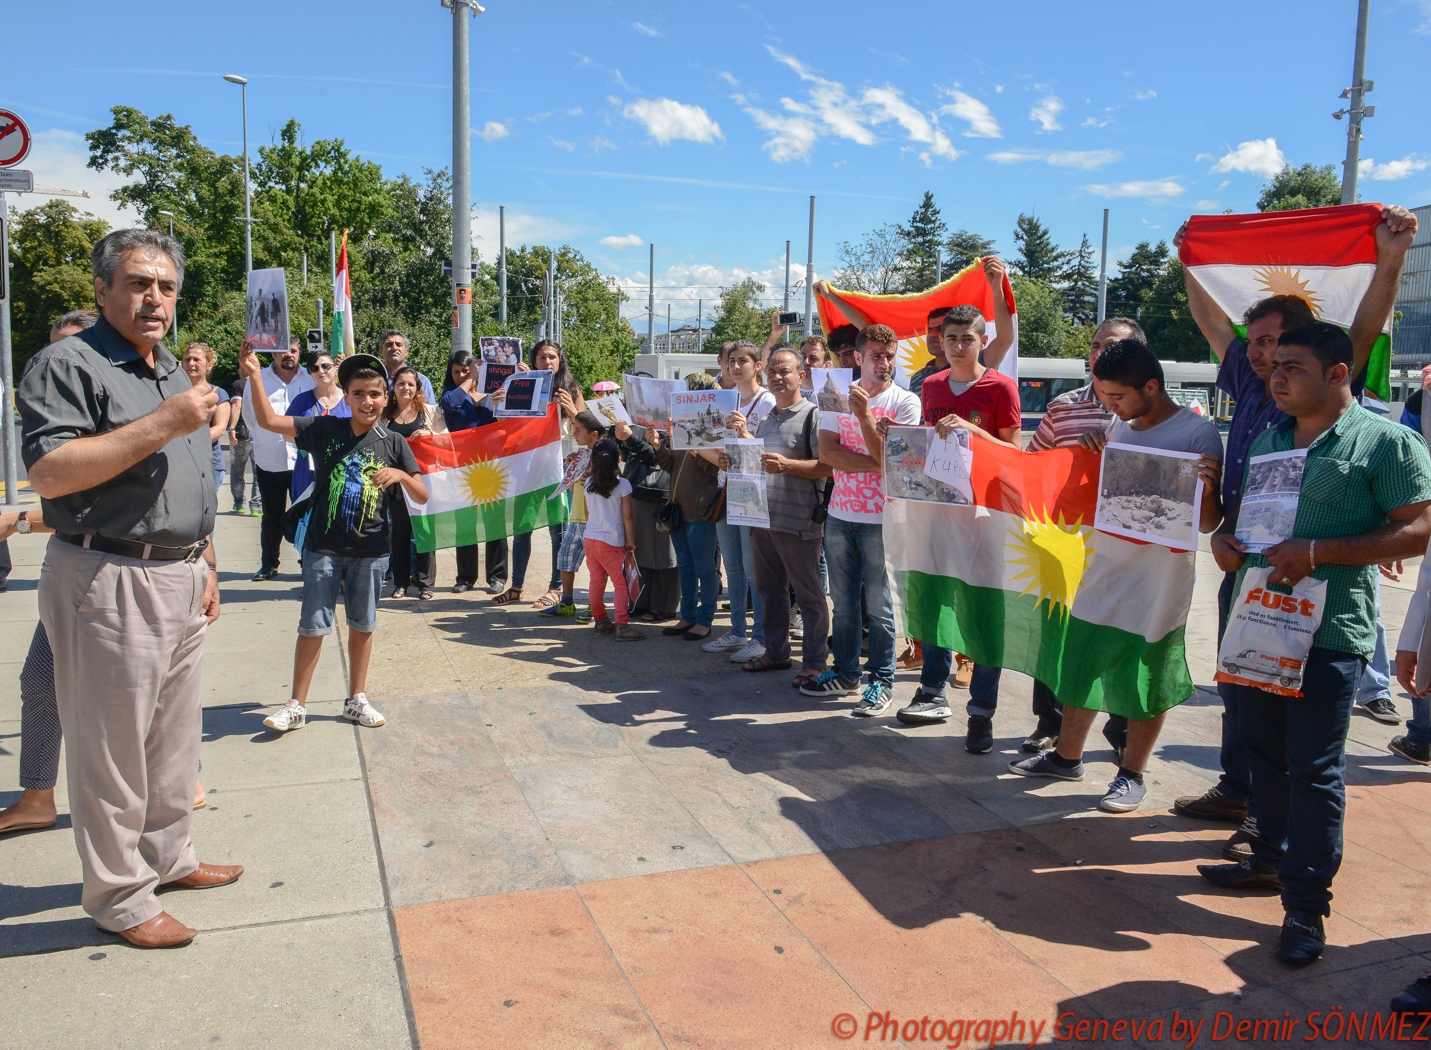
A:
1103,273
810,273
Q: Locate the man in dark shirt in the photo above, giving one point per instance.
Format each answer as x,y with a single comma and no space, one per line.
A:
117,446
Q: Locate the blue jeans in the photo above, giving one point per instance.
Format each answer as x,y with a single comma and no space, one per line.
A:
1419,727
522,554
1297,747
695,543
854,553
1236,779
1375,681
983,689
219,476
740,578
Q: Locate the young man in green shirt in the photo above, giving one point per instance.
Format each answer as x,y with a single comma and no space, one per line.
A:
1365,500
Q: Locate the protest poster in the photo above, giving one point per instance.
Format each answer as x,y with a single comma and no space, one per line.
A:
266,329
499,349
906,449
698,417
951,460
576,467
744,455
632,572
745,501
832,389
525,395
1191,397
1149,494
492,376
649,400
1269,500
609,410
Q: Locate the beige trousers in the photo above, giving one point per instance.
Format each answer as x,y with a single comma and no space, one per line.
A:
128,638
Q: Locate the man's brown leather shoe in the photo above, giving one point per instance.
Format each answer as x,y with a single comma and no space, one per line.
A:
206,876
162,931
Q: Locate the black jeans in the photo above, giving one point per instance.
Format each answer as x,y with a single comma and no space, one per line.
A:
407,570
273,487
1297,749
496,564
1236,779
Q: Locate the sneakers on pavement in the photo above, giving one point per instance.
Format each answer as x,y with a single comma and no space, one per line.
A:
876,700
1042,765
291,715
830,686
797,625
924,710
1239,847
1212,804
1410,750
752,651
1124,795
979,739
725,643
559,609
583,615
1383,710
357,709
1244,875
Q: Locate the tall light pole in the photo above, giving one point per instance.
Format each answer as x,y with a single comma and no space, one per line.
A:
1358,109
502,265
785,303
242,82
176,298
461,176
1103,273
810,273
651,305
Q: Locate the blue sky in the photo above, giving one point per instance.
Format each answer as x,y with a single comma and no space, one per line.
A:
704,127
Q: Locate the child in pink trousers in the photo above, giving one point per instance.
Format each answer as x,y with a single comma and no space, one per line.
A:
610,533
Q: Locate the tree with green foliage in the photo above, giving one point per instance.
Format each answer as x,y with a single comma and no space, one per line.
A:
1306,187
1043,329
1038,256
1166,318
1132,288
872,265
962,248
50,272
740,313
923,240
1080,285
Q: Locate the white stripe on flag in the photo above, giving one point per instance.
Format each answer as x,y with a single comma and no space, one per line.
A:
448,490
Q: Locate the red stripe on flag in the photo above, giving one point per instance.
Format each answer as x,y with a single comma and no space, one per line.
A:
908,315
1036,484
1340,236
505,437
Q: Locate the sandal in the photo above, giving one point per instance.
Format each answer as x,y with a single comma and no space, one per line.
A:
603,626
627,633
764,663
546,601
804,678
425,596
507,597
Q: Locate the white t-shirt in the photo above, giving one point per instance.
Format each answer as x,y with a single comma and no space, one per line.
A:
755,409
603,515
859,497
273,452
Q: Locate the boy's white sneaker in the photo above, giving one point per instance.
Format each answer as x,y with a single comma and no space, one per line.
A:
725,643
291,715
752,651
357,709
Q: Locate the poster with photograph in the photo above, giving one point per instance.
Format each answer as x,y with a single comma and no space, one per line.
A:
1149,494
649,400
744,455
951,460
1193,397
906,450
491,376
576,467
525,395
609,410
698,417
267,326
832,389
1269,501
499,349
745,502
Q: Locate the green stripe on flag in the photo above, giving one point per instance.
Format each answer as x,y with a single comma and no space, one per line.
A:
468,525
1378,364
1085,664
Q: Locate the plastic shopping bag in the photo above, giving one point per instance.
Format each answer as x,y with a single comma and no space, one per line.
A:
1269,634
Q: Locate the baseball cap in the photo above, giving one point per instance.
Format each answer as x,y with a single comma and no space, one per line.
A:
353,362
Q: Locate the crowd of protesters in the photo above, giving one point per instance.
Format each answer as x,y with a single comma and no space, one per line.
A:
123,444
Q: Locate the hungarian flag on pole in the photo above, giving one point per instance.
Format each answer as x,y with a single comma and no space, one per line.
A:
488,482
908,315
1020,579
1323,255
342,341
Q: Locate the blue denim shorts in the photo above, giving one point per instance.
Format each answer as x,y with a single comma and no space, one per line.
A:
361,581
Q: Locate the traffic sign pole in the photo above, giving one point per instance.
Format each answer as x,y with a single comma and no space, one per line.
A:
7,371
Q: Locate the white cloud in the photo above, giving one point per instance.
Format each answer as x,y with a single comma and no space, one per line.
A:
575,111
59,160
560,144
1393,170
667,120
1143,96
645,30
1047,111
982,124
523,227
492,131
1096,122
998,89
600,142
1254,157
1152,189
537,118
1086,160
621,243
1425,26
682,284
886,103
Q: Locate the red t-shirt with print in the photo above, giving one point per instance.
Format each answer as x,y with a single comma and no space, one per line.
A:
991,404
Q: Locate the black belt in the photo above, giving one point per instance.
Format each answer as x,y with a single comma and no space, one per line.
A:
133,548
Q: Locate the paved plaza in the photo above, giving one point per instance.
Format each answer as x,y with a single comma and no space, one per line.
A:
559,841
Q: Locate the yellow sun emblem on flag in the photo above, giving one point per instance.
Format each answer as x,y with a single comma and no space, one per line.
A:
1283,280
914,354
485,482
1053,557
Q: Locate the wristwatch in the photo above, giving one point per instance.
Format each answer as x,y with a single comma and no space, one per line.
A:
22,526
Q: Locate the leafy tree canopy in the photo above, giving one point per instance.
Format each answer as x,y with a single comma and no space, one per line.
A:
1306,187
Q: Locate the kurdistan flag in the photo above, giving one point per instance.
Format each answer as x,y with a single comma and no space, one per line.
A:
908,315
1323,255
342,341
1021,580
488,482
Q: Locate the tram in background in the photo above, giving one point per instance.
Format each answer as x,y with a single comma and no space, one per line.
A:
1041,379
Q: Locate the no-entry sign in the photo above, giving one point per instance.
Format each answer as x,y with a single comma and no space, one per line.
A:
14,139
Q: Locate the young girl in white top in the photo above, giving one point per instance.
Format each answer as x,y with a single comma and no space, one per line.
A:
610,533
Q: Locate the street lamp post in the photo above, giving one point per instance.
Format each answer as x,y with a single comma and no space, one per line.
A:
461,175
176,298
242,82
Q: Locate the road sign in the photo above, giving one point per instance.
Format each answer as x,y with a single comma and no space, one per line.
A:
14,139
16,180
447,269
315,340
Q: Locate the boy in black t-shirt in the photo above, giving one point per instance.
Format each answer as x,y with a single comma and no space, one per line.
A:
356,463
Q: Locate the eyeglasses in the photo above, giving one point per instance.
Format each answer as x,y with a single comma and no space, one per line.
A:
322,368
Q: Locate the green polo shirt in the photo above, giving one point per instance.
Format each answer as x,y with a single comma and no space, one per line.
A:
1357,472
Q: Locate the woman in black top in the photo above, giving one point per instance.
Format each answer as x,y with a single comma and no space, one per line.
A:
408,414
